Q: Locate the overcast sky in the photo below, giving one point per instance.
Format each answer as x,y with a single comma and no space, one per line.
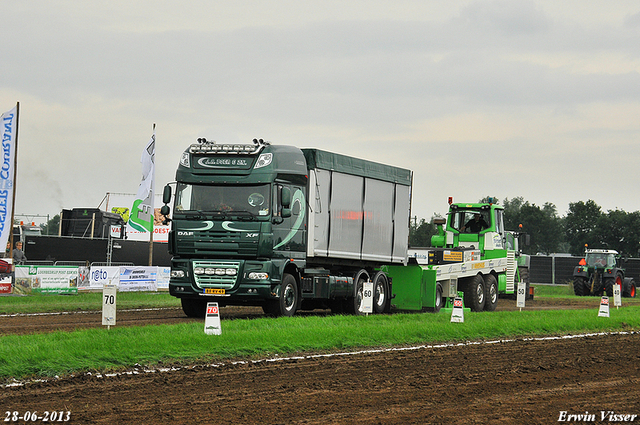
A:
537,99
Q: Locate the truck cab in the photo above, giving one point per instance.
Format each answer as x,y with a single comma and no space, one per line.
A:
478,226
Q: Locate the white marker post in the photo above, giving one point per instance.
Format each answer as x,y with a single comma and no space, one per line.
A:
212,320
521,296
457,314
617,296
604,307
367,297
109,305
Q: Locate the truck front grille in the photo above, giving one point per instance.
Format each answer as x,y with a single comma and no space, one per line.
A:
210,279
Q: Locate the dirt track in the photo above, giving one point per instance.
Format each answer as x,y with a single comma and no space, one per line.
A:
30,323
514,382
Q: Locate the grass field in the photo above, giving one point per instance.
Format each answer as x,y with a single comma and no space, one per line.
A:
83,302
99,349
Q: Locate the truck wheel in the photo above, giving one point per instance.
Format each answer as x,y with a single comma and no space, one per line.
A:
380,292
288,302
524,275
490,292
194,308
630,288
474,298
580,287
356,306
439,298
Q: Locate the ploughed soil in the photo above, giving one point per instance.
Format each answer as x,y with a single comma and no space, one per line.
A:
530,381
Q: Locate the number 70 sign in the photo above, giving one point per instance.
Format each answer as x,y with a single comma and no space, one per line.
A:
109,305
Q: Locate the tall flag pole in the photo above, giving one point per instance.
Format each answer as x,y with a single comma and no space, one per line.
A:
8,172
142,211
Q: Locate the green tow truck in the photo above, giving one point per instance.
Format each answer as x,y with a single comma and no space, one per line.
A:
478,265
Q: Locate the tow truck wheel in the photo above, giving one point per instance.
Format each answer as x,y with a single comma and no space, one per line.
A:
474,298
439,298
288,296
380,292
490,292
194,308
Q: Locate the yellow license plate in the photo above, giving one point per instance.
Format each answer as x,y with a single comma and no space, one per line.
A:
214,291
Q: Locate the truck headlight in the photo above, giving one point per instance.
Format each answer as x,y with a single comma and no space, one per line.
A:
177,273
258,276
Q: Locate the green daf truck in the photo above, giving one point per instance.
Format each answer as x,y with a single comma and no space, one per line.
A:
284,228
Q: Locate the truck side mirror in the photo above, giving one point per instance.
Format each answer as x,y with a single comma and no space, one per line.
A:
164,210
166,195
285,197
285,200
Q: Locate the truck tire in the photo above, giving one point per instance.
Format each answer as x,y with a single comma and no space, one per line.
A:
474,298
194,308
629,290
355,307
380,292
490,293
288,301
439,298
580,287
524,275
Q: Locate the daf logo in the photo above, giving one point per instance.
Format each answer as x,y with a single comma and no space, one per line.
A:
182,233
252,235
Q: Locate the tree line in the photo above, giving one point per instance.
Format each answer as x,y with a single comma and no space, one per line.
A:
585,223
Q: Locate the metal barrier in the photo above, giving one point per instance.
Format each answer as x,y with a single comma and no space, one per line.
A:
558,269
72,263
38,263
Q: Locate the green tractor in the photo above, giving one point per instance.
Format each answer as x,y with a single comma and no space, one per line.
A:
598,271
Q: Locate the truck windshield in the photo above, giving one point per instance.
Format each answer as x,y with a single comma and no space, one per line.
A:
463,217
601,260
223,199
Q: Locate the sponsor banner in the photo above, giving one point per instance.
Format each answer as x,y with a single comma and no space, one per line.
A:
141,215
101,276
120,203
8,130
164,274
6,282
138,279
46,280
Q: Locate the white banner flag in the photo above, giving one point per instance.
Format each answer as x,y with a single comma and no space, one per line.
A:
142,212
9,123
